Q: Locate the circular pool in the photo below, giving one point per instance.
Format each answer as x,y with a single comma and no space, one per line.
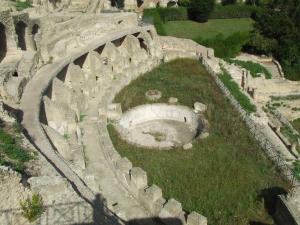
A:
161,126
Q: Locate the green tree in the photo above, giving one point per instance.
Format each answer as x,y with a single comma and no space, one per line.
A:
277,32
228,2
199,10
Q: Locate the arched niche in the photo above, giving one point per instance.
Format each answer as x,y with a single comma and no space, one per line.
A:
3,42
21,31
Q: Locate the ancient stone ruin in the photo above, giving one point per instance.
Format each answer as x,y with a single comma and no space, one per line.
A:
62,69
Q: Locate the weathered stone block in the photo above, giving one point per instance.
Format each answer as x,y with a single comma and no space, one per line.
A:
138,178
199,107
114,111
124,165
196,219
172,214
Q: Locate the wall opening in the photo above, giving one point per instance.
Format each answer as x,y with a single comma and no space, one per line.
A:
149,32
118,42
35,30
3,42
143,44
139,3
21,31
171,4
62,74
99,49
136,34
15,74
80,61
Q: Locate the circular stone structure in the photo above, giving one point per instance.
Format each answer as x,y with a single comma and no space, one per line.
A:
161,126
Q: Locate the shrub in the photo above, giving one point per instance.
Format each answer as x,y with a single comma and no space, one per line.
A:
200,10
233,11
184,3
259,44
11,153
172,14
228,2
297,169
225,47
234,89
32,208
152,16
254,68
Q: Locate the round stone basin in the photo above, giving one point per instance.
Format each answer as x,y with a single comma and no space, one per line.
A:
159,126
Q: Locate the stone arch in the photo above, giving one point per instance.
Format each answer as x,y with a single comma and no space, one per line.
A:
21,32
3,42
34,32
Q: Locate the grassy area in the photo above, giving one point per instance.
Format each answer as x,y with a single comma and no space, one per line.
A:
23,5
223,177
193,30
225,36
296,124
254,68
237,93
11,152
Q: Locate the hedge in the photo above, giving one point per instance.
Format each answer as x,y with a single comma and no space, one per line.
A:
166,14
233,11
225,47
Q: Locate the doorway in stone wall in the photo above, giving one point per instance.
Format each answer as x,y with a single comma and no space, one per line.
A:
3,42
21,30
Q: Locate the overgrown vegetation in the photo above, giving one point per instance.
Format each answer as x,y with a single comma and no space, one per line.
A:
237,93
287,97
289,134
22,5
199,10
11,152
225,47
233,11
222,177
254,68
296,124
277,32
297,169
225,36
32,208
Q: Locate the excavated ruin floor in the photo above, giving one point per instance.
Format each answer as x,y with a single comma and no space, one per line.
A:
161,134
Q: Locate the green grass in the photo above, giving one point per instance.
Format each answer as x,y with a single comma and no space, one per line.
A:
296,124
254,68
288,133
221,177
237,93
11,153
193,30
23,5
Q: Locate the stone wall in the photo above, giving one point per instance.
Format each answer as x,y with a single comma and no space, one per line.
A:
125,57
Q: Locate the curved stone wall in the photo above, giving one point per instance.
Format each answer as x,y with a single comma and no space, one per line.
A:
159,125
65,114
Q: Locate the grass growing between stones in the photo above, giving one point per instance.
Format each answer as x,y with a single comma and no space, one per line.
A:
296,124
12,154
254,68
234,89
223,177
